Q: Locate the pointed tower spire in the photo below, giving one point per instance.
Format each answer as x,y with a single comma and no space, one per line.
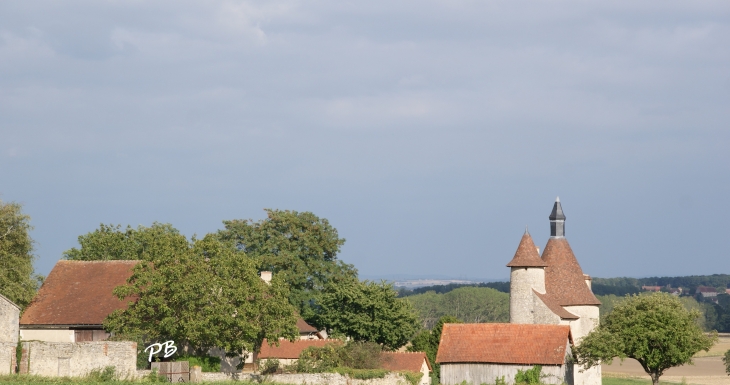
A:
557,220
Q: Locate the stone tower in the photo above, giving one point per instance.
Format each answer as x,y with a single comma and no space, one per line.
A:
552,289
527,273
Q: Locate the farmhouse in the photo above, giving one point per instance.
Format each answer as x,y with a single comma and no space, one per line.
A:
74,300
484,353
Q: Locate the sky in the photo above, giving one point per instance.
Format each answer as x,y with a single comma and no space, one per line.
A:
430,133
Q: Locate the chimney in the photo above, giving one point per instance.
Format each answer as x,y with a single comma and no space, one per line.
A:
588,280
266,277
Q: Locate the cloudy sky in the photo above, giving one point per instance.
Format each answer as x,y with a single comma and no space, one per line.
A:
428,132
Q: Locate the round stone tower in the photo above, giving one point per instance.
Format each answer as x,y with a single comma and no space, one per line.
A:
527,273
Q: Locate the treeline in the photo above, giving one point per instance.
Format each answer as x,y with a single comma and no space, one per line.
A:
690,282
469,304
484,304
443,289
620,286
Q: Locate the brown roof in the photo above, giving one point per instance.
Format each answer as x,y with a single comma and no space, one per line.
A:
526,255
289,349
553,305
78,293
505,343
304,327
564,280
410,361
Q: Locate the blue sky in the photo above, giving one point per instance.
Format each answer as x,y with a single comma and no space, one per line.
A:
429,133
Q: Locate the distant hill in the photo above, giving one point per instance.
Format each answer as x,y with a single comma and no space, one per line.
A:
620,286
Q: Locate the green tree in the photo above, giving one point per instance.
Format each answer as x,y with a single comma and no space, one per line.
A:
726,361
427,341
207,295
472,304
300,248
656,330
18,282
365,311
110,242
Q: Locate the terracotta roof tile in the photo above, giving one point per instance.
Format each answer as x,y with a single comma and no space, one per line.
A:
289,350
410,361
504,344
526,254
564,280
78,293
304,327
553,305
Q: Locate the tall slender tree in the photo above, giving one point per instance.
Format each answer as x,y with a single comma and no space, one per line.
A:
18,281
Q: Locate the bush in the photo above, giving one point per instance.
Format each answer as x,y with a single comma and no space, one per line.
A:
726,360
107,374
270,366
155,377
530,376
319,360
360,355
413,378
206,363
361,374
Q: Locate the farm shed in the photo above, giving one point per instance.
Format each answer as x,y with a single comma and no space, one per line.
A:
482,353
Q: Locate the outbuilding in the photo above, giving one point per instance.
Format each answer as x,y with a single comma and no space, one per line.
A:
483,353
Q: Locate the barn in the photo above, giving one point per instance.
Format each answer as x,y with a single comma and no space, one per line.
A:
482,353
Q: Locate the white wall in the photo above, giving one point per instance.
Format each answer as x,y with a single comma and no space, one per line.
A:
47,335
589,318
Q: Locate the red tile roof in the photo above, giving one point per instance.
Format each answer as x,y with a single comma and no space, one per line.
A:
304,327
409,361
78,293
291,350
504,344
554,306
564,281
526,254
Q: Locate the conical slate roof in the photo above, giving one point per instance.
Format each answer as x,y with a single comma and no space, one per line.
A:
557,213
526,255
564,281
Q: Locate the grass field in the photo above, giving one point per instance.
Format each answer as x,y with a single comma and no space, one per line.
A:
619,380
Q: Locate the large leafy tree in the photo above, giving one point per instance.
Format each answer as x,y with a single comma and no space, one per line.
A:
298,247
365,311
428,341
206,295
18,282
110,242
656,330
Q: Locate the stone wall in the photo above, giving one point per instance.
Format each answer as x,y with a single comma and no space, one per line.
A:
65,359
9,320
329,379
7,357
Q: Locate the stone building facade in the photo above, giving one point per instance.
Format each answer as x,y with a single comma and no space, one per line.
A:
552,289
